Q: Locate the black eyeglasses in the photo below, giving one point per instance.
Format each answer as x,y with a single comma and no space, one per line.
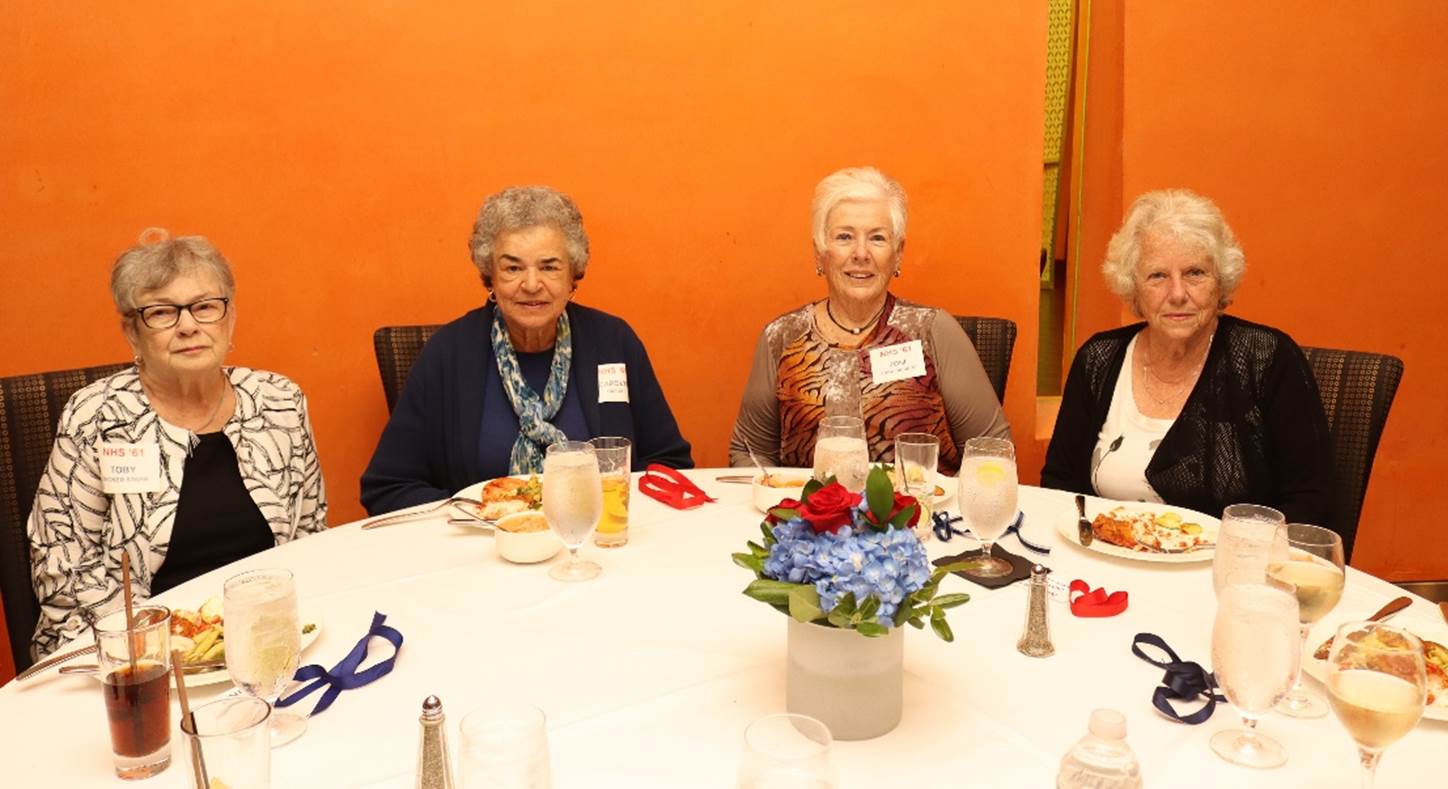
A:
164,316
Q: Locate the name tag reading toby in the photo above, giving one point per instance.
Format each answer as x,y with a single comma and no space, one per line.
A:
129,468
613,383
897,362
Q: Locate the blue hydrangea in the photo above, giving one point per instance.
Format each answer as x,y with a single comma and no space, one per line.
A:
887,564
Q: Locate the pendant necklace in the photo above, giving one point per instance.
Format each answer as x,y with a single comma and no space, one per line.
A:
856,332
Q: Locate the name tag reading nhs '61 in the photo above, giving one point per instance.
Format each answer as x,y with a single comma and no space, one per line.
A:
129,468
897,362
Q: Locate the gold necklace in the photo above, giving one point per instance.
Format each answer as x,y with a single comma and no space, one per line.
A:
1176,387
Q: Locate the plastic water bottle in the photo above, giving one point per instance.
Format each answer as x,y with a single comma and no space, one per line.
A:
1101,759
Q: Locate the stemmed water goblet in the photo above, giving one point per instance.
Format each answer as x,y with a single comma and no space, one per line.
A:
988,497
572,504
1255,655
1248,536
1377,686
263,642
1311,561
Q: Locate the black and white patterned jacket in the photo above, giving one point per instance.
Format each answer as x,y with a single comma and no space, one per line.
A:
77,533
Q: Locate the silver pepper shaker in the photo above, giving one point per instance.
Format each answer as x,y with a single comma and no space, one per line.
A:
1036,640
434,768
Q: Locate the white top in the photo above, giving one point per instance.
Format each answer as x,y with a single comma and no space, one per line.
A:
649,673
1127,442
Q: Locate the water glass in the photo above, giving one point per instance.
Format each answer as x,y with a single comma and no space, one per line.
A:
786,751
264,642
1249,535
1255,656
505,746
228,742
615,465
1377,686
988,488
1311,561
916,458
136,684
572,503
841,452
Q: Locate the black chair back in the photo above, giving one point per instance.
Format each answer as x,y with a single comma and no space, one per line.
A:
397,350
995,341
30,407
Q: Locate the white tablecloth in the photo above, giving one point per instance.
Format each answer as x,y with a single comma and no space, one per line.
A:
649,673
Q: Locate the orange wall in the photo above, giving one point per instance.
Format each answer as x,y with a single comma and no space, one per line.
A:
1319,130
338,152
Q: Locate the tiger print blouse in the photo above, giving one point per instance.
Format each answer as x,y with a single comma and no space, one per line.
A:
77,533
797,374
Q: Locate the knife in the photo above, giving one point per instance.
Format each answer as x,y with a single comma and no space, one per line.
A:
54,660
1397,604
1083,526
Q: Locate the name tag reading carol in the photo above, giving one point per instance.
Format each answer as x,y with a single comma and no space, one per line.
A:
613,383
897,362
129,468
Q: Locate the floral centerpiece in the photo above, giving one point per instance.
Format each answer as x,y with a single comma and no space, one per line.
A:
845,560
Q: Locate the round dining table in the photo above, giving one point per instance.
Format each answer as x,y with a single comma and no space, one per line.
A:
649,673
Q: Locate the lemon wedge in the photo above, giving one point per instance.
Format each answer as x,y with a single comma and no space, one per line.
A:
990,474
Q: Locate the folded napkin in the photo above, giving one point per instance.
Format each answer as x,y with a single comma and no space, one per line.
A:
666,485
1088,602
1184,681
344,675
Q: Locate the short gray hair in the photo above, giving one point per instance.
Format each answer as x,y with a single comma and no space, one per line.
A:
156,259
1182,215
521,207
857,183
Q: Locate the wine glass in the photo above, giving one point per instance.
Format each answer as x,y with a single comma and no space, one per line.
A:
1377,686
841,452
264,642
988,497
1255,655
786,751
1311,561
1245,544
572,504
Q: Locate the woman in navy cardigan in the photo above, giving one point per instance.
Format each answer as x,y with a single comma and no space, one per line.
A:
493,388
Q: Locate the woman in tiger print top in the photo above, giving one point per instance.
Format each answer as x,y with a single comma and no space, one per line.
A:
818,357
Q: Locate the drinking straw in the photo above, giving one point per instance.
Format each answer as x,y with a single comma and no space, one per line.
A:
130,612
198,762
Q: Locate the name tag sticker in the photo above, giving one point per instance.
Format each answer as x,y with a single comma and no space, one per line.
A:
129,468
613,383
897,362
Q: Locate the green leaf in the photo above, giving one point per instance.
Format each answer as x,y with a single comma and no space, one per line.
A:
916,622
784,514
812,486
840,619
804,603
872,629
902,518
846,604
749,561
940,626
768,534
867,611
951,600
880,495
770,591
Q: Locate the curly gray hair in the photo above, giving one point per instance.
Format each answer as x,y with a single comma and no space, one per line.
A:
857,183
520,207
156,259
1179,214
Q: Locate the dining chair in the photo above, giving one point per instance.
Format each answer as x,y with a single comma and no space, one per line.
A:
30,407
1357,390
994,340
397,349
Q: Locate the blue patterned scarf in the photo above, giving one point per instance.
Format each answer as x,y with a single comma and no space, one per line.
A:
535,432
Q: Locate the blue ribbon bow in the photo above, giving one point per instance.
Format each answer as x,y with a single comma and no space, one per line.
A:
1184,680
943,530
344,675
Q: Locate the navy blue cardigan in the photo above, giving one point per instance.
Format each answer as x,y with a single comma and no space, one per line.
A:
429,449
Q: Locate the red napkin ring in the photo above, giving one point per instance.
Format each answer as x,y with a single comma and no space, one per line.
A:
1094,602
666,485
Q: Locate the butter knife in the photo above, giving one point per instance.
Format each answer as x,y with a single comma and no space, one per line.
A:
54,660
1083,526
1394,606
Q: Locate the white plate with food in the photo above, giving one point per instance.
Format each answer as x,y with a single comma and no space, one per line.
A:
200,633
1435,657
1145,531
501,497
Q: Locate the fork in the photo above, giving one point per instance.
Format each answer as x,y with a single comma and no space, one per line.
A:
403,517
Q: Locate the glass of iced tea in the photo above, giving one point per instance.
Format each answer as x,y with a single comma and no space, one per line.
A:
135,666
615,463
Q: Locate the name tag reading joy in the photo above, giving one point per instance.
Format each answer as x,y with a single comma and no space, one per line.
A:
613,383
129,468
897,362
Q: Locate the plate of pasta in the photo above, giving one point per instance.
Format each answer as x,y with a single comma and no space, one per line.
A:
1145,531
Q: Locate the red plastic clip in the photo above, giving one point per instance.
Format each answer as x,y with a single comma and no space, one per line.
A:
1086,601
667,485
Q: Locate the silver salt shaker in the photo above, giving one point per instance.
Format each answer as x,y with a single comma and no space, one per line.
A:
1036,640
434,768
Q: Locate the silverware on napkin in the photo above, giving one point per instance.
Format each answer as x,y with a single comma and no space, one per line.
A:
189,668
1083,526
404,517
54,660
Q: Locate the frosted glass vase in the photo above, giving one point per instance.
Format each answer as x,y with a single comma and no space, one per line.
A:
852,683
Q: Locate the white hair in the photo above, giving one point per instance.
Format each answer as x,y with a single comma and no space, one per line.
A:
1180,215
522,207
156,259
857,183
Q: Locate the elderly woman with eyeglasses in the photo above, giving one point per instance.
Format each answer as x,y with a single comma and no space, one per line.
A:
180,462
1191,407
821,359
494,388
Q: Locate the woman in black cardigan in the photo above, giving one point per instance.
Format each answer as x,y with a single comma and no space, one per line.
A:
1191,407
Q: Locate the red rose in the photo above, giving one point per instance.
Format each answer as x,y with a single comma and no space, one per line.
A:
901,502
829,508
784,504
